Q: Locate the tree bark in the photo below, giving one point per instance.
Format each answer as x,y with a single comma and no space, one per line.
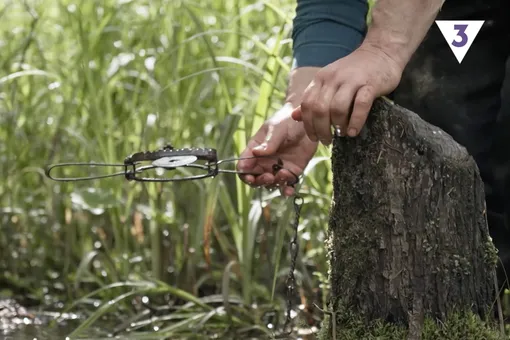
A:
408,238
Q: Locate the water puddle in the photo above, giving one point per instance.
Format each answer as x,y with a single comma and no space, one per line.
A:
20,323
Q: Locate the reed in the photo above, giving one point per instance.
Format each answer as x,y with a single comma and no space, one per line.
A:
101,79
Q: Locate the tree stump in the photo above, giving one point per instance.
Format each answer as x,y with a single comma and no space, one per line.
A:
408,239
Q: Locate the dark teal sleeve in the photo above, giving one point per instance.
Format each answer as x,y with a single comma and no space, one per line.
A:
327,30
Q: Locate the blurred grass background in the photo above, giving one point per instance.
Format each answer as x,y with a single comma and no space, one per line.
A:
96,80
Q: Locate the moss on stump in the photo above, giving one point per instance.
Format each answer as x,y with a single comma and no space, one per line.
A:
409,248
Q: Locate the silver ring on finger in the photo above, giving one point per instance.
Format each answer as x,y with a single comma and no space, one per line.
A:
338,131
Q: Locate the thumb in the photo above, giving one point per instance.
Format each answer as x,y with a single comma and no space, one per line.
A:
275,136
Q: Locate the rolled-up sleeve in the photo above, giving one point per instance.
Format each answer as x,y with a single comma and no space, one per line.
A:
327,30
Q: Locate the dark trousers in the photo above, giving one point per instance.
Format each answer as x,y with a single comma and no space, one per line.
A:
470,101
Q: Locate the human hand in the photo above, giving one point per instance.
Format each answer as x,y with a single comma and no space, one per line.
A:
342,93
281,137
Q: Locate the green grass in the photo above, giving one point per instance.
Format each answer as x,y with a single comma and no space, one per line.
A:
99,80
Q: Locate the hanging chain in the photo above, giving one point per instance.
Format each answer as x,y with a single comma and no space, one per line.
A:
294,250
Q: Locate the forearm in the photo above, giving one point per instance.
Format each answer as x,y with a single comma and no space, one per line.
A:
398,27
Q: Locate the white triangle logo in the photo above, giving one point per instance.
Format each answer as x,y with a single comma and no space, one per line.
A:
460,34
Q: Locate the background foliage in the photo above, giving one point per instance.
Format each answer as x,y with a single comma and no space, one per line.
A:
101,79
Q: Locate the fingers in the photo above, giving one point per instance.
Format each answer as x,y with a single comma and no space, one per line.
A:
286,178
309,106
283,179
275,136
362,105
322,116
287,191
326,102
266,142
297,115
347,107
248,163
261,176
341,106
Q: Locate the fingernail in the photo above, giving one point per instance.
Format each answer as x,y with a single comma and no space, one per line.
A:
262,146
352,132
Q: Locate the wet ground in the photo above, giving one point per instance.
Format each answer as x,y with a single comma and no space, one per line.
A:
19,323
